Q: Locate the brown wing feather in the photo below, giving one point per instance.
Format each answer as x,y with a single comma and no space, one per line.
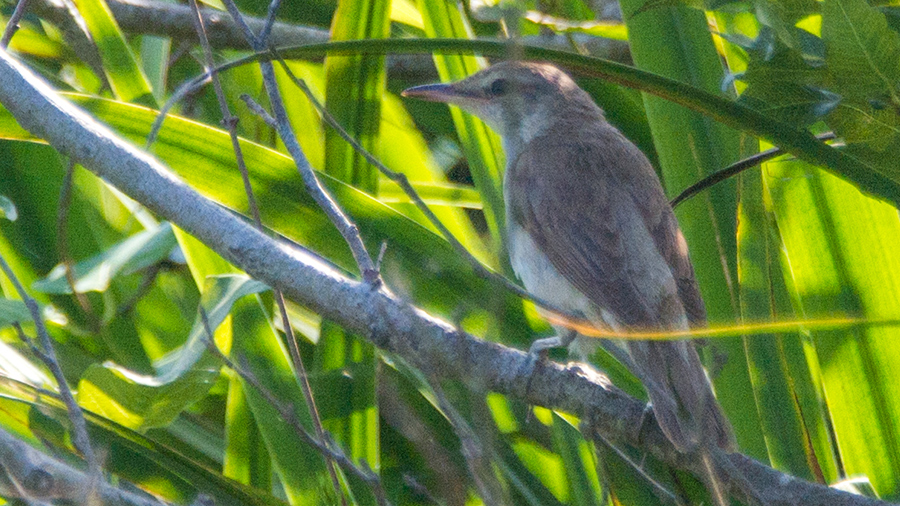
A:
672,246
607,249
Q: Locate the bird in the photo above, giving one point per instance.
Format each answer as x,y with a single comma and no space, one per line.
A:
589,229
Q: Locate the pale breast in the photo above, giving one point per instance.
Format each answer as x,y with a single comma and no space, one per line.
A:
539,275
541,278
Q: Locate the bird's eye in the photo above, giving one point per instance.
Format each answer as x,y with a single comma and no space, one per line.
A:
499,87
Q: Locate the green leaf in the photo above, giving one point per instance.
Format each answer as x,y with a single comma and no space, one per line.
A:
123,72
651,5
779,374
433,194
29,40
786,83
246,458
606,29
404,11
354,86
13,311
863,56
261,353
782,15
182,376
578,460
842,259
94,274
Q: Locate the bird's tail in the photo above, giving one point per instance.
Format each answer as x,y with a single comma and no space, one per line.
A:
685,406
681,395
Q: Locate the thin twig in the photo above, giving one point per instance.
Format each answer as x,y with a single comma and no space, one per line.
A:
231,122
13,24
238,18
323,445
79,427
341,221
228,119
735,169
265,33
258,110
183,90
348,230
638,468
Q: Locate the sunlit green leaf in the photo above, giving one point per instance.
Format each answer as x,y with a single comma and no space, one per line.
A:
140,401
94,274
778,382
124,74
606,29
842,259
437,194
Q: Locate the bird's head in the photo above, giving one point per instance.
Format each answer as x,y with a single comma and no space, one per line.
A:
519,100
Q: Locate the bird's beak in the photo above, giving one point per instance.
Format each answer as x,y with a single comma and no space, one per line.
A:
434,93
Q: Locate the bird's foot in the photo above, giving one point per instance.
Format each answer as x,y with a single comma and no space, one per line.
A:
538,351
542,346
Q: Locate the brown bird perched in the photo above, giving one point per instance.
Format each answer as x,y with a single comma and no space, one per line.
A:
590,230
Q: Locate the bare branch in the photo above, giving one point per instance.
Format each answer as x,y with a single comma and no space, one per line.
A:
13,24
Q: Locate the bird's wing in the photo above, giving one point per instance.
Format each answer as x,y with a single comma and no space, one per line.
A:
668,237
598,213
576,199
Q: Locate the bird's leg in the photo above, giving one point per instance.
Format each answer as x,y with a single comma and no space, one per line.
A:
537,354
540,347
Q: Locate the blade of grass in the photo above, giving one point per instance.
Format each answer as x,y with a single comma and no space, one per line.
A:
842,259
125,76
775,390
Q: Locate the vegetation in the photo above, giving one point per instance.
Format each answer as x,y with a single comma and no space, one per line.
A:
132,302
